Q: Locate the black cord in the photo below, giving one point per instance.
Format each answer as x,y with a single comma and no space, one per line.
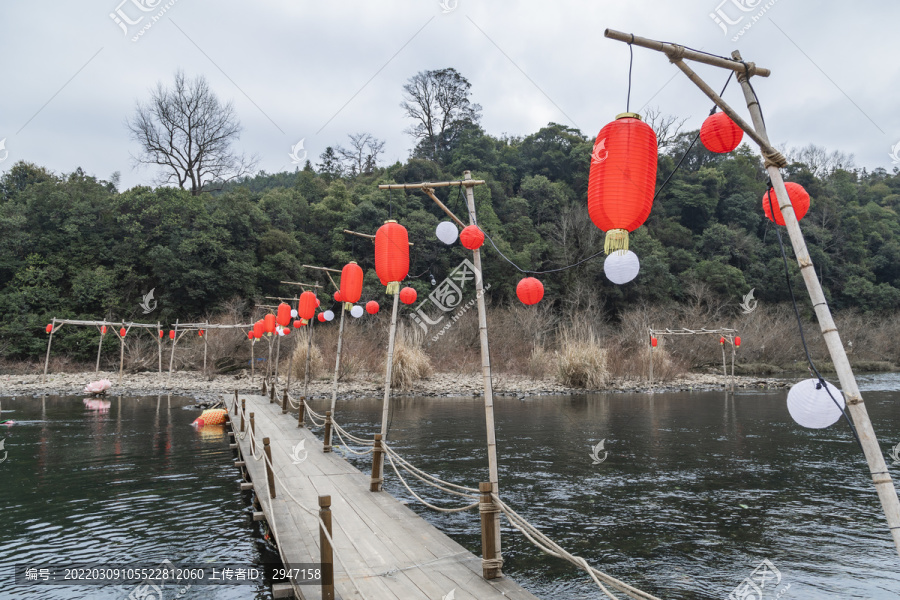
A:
630,63
812,366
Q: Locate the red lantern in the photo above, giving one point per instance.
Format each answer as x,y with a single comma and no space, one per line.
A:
171,334
408,295
48,328
258,329
471,237
298,324
160,334
351,283
122,332
269,323
722,340
321,317
103,330
372,307
306,309
530,291
653,342
799,201
250,335
284,314
392,255
338,297
200,333
285,331
737,341
622,178
720,134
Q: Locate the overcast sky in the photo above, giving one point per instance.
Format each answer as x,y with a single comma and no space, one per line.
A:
318,71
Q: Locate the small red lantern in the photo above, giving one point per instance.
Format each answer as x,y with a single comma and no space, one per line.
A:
122,332
250,335
48,328
298,324
372,307
622,178
722,340
283,317
258,329
321,317
530,291
160,334
392,255
351,283
720,134
306,308
171,334
408,295
737,341
654,342
269,323
285,330
799,201
471,237
200,333
103,330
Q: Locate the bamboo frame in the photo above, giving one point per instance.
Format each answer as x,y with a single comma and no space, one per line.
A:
881,478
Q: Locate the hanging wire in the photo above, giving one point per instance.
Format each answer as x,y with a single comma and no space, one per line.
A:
630,64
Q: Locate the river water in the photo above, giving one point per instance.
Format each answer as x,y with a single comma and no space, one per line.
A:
697,490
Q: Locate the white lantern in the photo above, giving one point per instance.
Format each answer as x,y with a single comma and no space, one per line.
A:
293,313
329,316
280,331
811,406
447,232
356,312
621,266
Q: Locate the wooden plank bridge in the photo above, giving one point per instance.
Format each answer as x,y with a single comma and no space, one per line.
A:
381,547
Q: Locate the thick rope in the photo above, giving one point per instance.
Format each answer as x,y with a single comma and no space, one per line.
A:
351,437
417,497
337,431
420,474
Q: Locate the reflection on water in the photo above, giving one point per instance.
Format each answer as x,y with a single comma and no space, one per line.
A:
698,489
119,481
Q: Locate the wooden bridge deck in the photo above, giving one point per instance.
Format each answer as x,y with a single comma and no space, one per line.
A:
390,550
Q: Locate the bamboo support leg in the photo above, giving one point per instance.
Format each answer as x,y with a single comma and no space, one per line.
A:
309,336
99,350
337,360
49,343
386,406
490,559
121,354
277,355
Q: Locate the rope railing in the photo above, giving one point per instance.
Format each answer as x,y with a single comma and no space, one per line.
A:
425,502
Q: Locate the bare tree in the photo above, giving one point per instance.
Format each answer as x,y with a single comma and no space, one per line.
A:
666,127
362,155
439,103
819,161
188,132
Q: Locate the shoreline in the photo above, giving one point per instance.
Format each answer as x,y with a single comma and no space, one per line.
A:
447,385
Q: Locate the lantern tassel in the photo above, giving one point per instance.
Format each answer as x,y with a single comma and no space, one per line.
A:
616,239
393,288
348,305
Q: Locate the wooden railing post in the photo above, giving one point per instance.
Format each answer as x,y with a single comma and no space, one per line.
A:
270,475
327,443
272,393
300,415
265,392
243,410
252,433
235,401
327,553
284,403
377,462
490,561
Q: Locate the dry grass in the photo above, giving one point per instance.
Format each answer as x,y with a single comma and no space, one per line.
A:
298,360
410,363
581,361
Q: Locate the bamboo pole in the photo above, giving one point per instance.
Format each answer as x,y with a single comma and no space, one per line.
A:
430,193
430,184
278,337
388,369
49,343
368,236
651,358
321,268
884,485
493,474
159,343
337,360
122,351
99,349
205,334
172,354
309,335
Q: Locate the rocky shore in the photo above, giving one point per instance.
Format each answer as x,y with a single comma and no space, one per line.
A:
194,384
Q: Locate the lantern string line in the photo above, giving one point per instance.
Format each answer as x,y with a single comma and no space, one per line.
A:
630,64
812,366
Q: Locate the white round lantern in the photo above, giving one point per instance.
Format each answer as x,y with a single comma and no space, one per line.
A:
447,232
811,406
280,331
356,312
293,313
621,266
329,316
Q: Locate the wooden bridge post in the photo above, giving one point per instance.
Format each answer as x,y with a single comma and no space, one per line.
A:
265,392
301,412
490,560
272,393
252,432
327,553
284,402
235,401
243,410
377,462
270,475
327,441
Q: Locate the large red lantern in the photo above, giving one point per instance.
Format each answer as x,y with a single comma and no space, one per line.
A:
530,291
351,283
392,255
269,323
372,307
720,134
171,334
103,330
408,295
306,309
284,314
258,329
471,237
48,328
799,201
622,178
